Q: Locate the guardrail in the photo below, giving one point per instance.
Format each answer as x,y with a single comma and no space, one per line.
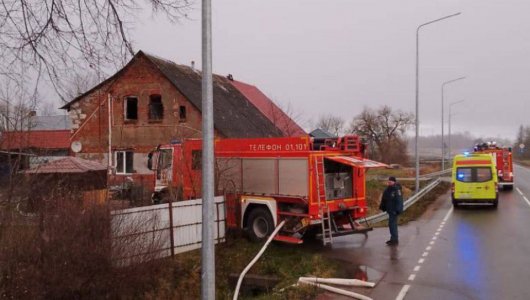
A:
408,203
423,177
439,173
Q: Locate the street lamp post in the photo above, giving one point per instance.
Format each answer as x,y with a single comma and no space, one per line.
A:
451,105
443,145
207,252
417,158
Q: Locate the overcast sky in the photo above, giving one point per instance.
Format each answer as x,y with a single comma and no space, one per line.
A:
339,56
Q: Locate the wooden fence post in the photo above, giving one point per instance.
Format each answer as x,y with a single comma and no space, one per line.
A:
171,238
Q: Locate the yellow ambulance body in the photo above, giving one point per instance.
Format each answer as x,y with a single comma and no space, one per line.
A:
474,179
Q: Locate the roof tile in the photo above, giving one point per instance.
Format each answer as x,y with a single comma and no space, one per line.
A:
41,139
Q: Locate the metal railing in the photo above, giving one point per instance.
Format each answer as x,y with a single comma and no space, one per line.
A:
408,203
436,174
422,177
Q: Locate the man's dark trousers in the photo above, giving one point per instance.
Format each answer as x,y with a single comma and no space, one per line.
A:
393,226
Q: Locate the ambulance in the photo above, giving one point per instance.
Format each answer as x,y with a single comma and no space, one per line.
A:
474,180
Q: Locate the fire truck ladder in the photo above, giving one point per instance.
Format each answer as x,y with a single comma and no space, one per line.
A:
323,209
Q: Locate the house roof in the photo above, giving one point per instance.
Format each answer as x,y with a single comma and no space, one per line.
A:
321,134
234,114
61,122
269,109
38,139
68,164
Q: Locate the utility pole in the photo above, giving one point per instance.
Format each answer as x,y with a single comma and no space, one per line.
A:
443,144
450,115
208,247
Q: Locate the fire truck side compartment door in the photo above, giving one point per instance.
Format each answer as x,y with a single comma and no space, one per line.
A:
357,162
259,176
293,177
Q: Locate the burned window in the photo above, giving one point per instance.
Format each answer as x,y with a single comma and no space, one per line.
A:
196,159
130,108
182,113
124,162
156,108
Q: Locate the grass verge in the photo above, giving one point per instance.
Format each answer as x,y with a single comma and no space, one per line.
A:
285,262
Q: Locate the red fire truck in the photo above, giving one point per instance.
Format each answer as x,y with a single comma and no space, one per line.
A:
312,184
503,159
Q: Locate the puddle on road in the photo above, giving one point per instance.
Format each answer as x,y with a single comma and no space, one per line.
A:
361,272
352,271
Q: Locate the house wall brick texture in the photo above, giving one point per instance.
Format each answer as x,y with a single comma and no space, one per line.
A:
141,79
176,85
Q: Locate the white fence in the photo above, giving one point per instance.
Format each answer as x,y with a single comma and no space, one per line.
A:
143,233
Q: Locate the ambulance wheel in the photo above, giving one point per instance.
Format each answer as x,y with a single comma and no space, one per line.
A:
260,224
495,203
455,203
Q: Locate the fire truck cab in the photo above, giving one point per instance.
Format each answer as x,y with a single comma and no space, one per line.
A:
312,184
503,162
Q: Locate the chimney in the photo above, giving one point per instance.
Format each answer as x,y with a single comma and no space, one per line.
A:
230,77
193,65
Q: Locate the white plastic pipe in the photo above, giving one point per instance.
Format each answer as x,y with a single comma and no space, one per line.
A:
340,281
336,290
240,280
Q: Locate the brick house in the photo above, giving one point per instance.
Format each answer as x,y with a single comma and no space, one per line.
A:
154,101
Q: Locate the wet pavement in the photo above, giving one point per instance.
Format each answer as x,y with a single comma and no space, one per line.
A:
474,252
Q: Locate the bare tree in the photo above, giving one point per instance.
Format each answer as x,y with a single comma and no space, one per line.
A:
48,109
16,105
384,128
332,124
53,37
520,139
79,83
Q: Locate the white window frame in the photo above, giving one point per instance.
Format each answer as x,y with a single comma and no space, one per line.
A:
124,171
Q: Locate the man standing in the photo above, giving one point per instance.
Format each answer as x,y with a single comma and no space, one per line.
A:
392,204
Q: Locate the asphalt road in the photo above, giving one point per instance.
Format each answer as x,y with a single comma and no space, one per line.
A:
466,253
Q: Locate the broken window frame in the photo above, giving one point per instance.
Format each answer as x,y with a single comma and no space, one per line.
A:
156,108
196,160
126,104
182,113
124,162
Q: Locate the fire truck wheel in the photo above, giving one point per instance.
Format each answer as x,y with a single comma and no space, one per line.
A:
260,224
311,233
508,187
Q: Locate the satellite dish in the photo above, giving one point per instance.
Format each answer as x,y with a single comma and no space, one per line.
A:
76,146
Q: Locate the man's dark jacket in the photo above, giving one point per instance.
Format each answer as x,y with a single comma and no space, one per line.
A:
392,200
